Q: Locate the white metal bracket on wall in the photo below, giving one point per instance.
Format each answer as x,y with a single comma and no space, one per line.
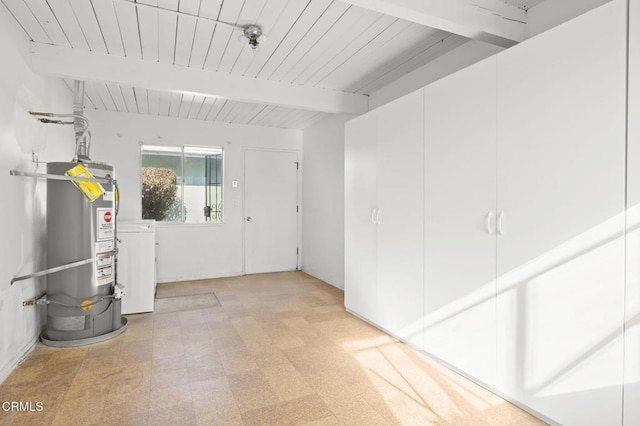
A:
67,178
62,177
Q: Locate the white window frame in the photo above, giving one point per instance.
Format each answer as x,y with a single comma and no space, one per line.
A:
181,149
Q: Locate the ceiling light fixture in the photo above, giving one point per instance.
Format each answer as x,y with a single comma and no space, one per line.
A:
250,33
253,35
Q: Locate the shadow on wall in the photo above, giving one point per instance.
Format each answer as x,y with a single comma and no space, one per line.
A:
559,324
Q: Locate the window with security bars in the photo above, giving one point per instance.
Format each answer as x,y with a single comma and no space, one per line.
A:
182,184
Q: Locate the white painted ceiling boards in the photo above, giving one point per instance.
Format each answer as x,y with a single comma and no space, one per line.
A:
321,56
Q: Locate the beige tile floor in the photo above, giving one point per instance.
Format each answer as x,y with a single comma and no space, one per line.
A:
281,350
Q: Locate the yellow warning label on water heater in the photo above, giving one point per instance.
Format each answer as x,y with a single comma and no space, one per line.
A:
91,190
86,305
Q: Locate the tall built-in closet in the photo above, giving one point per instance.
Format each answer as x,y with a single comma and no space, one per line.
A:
383,168
530,258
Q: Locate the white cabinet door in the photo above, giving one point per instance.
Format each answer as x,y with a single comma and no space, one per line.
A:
561,180
401,223
361,296
460,204
632,307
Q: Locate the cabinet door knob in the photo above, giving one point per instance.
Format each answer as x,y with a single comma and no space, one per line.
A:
248,218
500,219
489,220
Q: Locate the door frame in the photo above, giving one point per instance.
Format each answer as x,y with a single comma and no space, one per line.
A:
245,149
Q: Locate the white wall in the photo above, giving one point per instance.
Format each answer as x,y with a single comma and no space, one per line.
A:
185,251
461,57
551,13
540,18
323,200
22,218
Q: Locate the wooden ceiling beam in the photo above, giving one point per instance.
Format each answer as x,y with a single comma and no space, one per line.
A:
491,21
89,66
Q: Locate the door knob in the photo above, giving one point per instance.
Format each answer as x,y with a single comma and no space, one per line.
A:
248,218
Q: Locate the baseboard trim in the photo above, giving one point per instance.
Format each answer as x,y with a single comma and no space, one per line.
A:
7,369
162,280
321,279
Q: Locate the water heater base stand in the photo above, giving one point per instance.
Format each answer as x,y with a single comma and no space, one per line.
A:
82,342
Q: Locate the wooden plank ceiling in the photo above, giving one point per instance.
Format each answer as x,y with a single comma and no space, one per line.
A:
524,4
318,43
110,97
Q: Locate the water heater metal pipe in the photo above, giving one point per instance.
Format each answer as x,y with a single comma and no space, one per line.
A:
80,126
83,297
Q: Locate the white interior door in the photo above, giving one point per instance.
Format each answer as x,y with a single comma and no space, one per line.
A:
400,218
271,211
561,180
460,203
360,240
